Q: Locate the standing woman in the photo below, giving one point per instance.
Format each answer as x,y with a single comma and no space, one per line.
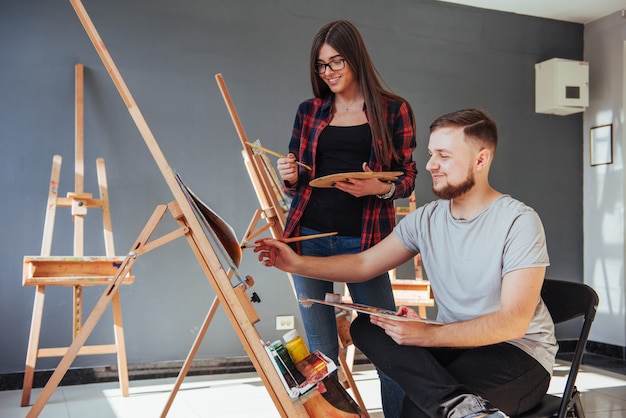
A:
352,124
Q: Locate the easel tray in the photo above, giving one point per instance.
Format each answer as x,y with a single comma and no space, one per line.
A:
70,271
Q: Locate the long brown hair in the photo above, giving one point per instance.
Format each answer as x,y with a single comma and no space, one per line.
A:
345,38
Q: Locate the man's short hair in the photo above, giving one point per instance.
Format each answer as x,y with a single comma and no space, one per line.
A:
476,124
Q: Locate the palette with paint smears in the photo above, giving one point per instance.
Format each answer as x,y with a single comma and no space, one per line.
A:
366,309
331,179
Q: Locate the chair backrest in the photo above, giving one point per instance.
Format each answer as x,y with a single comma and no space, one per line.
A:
568,300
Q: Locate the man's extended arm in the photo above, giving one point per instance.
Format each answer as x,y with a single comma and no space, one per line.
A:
521,290
384,256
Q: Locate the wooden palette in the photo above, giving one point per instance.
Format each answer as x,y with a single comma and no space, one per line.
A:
366,309
330,180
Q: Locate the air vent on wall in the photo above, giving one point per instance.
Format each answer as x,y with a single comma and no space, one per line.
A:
561,86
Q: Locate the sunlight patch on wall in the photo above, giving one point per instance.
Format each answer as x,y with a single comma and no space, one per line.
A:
607,282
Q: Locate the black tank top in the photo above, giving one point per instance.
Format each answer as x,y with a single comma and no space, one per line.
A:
340,149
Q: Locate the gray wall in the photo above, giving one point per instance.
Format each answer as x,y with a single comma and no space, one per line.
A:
441,57
605,50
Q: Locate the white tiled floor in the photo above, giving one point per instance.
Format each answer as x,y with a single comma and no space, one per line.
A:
243,395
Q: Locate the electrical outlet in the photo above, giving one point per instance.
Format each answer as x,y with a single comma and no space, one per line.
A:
284,322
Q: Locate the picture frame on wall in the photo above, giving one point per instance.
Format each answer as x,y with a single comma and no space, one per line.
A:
601,144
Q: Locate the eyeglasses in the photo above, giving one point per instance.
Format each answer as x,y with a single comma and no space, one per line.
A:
334,65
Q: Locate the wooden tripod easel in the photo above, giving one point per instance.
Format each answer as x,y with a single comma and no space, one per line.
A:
78,270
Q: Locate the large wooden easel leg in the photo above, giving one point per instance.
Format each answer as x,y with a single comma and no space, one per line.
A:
95,315
33,344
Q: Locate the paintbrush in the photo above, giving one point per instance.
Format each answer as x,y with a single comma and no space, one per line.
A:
269,151
293,239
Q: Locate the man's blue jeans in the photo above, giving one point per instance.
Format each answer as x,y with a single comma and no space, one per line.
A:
320,323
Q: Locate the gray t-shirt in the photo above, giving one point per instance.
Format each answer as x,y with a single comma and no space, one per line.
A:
465,261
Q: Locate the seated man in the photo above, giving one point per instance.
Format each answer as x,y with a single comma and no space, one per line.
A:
485,256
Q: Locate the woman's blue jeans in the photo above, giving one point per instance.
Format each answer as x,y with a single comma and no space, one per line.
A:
320,323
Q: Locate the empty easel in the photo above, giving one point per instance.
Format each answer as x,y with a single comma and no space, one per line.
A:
77,270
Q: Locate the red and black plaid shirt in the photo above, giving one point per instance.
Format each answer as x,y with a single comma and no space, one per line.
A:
378,215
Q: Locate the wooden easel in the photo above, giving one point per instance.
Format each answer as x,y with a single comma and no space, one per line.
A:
236,306
77,270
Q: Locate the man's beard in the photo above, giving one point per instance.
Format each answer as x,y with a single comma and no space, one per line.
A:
450,192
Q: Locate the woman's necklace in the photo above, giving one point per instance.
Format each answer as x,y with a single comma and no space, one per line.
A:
347,107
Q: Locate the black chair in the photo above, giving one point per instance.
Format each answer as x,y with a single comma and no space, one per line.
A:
565,301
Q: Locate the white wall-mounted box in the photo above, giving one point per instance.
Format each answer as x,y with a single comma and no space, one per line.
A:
561,86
